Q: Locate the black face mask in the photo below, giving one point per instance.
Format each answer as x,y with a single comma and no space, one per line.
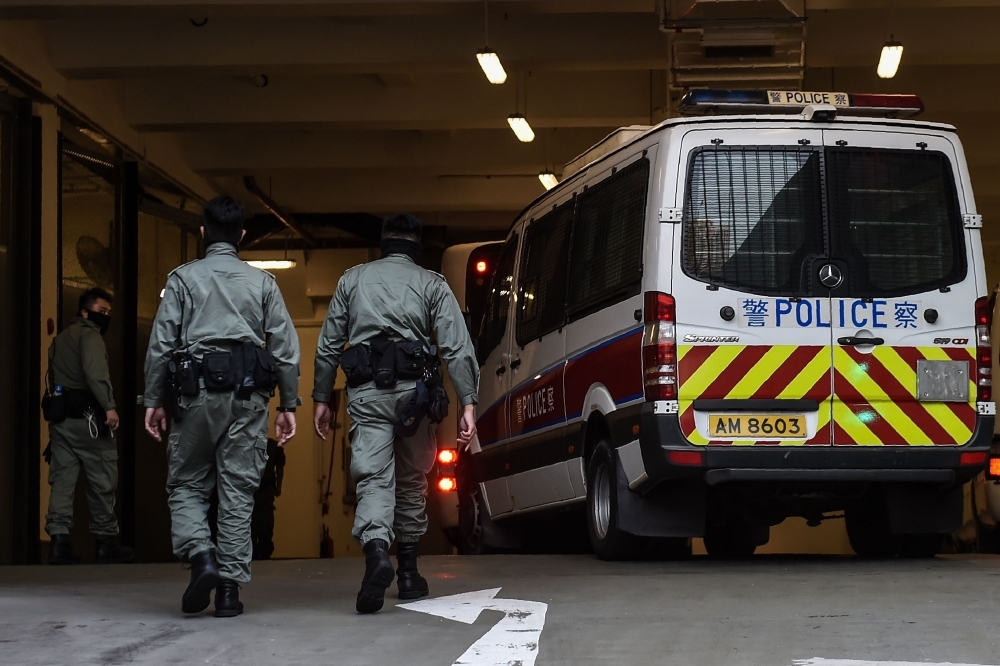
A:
410,248
102,320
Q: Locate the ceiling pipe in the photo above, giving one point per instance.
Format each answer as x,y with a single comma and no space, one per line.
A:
285,218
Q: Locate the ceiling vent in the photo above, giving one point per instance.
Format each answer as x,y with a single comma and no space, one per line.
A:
734,44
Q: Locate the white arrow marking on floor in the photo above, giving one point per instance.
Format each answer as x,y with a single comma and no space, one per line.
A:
512,640
819,661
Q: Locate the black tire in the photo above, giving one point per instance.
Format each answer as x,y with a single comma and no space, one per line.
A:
868,529
469,534
666,548
608,541
736,540
918,546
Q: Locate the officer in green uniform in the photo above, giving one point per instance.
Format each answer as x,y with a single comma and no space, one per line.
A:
223,334
82,435
394,299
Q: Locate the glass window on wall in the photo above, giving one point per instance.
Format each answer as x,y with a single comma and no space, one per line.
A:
87,230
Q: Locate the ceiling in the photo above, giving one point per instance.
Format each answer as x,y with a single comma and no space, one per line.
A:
374,107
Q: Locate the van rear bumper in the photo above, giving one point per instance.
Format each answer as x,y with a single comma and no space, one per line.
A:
660,434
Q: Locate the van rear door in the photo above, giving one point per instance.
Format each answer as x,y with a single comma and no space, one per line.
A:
904,318
753,323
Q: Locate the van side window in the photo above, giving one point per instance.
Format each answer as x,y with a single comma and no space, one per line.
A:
606,260
752,216
542,278
498,301
895,218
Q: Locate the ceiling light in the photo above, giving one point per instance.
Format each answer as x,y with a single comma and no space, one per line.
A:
548,179
521,128
490,62
888,63
273,264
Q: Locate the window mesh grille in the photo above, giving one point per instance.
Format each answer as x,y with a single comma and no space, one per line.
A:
542,301
752,216
607,240
895,217
498,302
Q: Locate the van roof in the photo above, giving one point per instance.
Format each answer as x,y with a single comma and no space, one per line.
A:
578,166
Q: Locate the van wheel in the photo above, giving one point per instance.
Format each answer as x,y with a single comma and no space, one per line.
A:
667,548
736,540
607,540
471,515
918,546
868,528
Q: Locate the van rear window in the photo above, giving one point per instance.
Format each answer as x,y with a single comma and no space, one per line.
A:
751,216
895,219
754,219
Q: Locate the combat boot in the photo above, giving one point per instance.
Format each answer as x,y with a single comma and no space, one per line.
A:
378,576
227,599
204,578
109,552
409,581
61,550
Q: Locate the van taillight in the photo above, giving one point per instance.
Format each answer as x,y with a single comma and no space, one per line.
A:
984,352
659,347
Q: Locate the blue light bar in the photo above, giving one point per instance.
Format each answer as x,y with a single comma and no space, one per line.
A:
758,102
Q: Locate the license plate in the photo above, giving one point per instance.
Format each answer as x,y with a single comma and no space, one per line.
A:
757,426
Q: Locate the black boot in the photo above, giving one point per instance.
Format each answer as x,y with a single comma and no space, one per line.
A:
204,578
410,583
109,552
378,576
61,550
227,599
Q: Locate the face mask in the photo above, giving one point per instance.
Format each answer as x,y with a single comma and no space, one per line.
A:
102,320
410,248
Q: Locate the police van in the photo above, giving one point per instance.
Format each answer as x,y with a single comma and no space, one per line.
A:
773,306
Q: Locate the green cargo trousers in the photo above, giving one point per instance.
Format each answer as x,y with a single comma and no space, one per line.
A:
390,472
220,443
74,448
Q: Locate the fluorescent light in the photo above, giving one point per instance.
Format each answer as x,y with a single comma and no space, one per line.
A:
521,128
548,179
273,264
490,62
892,53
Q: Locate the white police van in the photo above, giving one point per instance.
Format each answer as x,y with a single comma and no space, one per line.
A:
725,320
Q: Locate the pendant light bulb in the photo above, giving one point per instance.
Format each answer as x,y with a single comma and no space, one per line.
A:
521,128
490,62
888,63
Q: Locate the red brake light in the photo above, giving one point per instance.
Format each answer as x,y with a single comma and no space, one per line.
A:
481,266
887,101
994,470
982,311
984,352
659,347
973,458
447,456
446,484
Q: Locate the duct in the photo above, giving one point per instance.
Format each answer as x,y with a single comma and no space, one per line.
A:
285,218
734,44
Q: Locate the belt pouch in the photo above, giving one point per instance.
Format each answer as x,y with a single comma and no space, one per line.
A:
218,372
411,360
384,361
357,365
54,407
265,373
185,372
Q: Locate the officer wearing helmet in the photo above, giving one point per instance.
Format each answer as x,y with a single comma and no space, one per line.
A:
388,313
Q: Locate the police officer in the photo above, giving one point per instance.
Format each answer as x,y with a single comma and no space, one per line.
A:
224,333
82,435
392,299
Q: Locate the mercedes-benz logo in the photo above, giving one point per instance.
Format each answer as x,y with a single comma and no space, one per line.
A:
830,276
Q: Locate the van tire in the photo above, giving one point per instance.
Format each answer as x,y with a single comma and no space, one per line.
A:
736,540
470,533
608,541
868,528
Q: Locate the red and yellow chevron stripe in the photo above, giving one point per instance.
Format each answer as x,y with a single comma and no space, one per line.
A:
866,399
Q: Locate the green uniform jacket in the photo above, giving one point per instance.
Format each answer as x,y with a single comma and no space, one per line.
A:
212,303
78,359
395,297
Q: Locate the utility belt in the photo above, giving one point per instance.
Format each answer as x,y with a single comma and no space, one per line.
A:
385,362
246,370
63,403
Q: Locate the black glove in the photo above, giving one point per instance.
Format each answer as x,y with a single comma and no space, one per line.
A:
47,454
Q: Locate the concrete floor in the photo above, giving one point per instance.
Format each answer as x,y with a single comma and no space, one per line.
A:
769,611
